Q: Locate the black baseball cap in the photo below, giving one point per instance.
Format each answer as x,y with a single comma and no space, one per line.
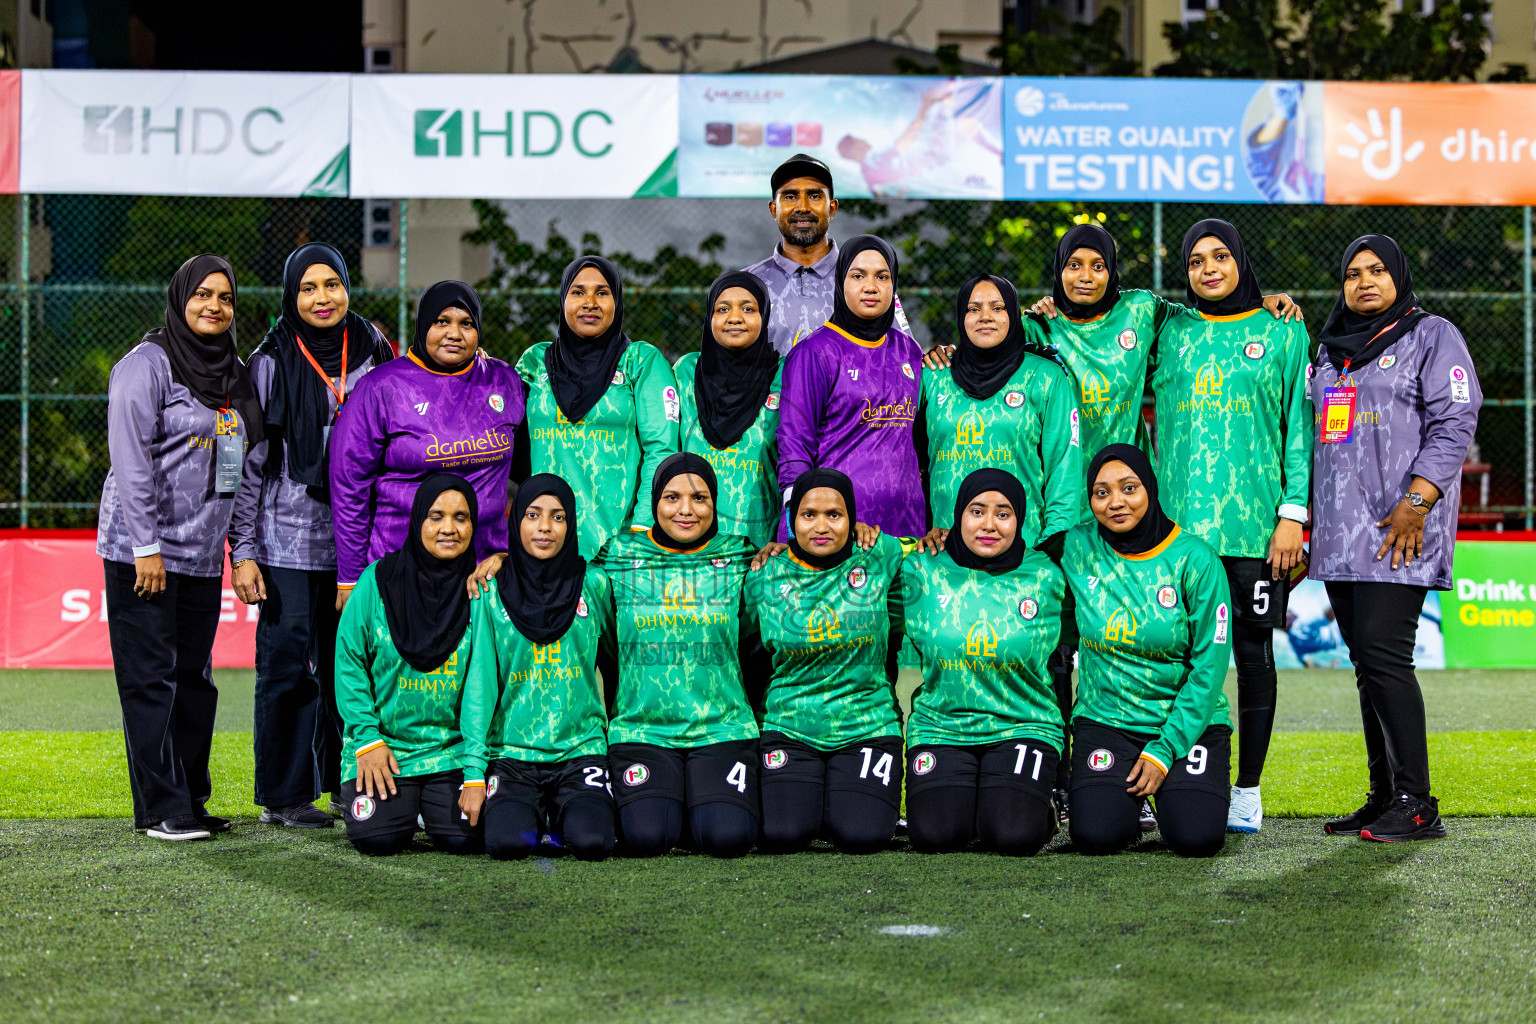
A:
802,165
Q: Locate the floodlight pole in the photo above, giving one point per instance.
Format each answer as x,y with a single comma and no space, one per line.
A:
24,204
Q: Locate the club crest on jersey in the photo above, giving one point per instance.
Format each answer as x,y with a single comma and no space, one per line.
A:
1166,597
492,784
775,759
670,403
773,401
1221,624
858,577
581,607
1127,338
719,563
924,763
906,371
1254,350
1101,760
1029,608
618,378
1387,361
496,402
363,807
1014,399
636,775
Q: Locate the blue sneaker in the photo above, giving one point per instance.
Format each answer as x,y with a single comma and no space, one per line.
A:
1247,811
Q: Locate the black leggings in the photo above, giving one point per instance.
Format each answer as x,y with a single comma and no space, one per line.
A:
654,825
1253,651
388,844
1380,622
1107,819
585,828
794,813
1008,821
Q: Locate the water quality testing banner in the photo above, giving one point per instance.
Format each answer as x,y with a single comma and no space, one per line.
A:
184,133
887,136
1164,139
514,136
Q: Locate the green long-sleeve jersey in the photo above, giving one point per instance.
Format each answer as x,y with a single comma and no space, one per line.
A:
535,702
678,624
985,641
1108,358
1154,638
1234,427
1029,428
611,455
748,498
382,698
828,630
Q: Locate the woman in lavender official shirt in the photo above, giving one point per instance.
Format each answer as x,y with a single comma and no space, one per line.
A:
1396,400
180,413
446,407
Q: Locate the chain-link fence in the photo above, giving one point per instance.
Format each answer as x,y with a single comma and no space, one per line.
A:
85,277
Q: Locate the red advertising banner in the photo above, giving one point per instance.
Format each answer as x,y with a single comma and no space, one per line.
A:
10,131
53,611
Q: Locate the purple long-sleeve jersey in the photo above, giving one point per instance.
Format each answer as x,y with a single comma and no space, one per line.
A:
276,521
1415,413
159,496
850,405
801,297
405,422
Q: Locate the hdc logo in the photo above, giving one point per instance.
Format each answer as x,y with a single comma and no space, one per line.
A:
204,131
440,133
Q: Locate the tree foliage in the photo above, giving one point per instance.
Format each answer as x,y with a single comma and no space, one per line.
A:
1064,47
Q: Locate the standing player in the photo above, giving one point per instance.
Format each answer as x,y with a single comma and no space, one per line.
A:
1234,431
535,730
682,736
831,743
985,731
1151,717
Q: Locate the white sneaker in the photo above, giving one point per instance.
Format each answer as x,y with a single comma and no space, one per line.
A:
1247,811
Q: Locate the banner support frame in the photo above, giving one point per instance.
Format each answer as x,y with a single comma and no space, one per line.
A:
400,310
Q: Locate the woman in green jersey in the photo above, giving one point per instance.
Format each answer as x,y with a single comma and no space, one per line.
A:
730,401
1234,441
985,732
400,655
1150,718
535,729
602,409
831,743
682,736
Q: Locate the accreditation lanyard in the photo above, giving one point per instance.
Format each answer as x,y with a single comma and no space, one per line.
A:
1338,423
229,450
339,392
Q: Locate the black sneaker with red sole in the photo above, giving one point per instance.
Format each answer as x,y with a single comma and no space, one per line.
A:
1406,818
1351,824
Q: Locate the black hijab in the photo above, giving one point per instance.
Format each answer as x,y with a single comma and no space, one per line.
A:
672,467
426,602
581,369
438,297
980,482
730,386
298,403
540,595
982,372
807,482
207,367
1247,295
1086,236
1155,526
1358,338
845,318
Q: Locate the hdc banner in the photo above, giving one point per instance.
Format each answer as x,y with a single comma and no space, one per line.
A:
514,136
184,133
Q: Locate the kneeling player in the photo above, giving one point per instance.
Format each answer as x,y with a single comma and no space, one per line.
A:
535,741
400,654
985,732
1151,717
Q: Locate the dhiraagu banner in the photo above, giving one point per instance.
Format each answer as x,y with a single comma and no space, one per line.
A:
184,133
514,136
1490,611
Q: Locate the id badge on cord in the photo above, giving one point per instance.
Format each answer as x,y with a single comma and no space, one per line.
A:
229,454
1338,424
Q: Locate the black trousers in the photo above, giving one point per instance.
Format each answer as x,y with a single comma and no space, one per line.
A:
162,655
298,729
1379,622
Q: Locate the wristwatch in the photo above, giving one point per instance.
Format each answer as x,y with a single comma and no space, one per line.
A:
1420,504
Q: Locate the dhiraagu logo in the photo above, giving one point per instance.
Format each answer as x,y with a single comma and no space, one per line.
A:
442,132
1121,628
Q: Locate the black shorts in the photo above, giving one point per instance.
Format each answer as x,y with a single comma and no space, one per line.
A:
546,784
872,767
716,773
1103,755
1257,600
1024,764
434,797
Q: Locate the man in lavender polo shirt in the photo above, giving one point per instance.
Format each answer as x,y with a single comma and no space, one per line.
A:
799,275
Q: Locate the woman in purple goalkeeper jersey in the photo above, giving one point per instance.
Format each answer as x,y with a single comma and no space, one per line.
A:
180,412
850,395
447,407
1396,400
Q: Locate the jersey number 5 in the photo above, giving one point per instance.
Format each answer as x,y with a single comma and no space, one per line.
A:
1261,597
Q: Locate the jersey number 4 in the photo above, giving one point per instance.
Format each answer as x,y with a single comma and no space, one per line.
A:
737,777
882,767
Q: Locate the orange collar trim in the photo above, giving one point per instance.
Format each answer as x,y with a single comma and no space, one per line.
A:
857,341
1090,320
439,373
1230,319
1155,551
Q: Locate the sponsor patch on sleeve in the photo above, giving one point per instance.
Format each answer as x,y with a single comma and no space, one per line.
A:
674,408
1461,385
